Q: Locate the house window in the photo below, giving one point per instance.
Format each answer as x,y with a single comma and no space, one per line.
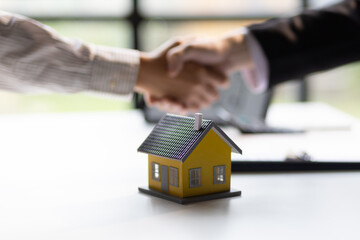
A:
173,177
155,171
219,174
195,177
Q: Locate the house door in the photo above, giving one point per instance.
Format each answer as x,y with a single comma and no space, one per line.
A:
164,178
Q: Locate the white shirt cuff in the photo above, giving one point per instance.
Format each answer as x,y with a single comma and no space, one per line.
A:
257,79
115,71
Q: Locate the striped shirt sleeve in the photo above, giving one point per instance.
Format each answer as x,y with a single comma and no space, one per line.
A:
35,59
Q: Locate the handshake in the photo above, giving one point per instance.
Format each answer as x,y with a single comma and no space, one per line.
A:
185,74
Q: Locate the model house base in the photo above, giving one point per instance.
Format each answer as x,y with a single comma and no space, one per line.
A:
187,200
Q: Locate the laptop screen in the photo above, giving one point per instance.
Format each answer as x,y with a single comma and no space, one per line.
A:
237,100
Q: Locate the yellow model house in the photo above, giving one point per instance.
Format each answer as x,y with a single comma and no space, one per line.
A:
188,158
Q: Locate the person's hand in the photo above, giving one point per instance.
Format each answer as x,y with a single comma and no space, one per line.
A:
194,86
223,54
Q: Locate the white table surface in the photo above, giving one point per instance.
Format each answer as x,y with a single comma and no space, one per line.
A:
75,176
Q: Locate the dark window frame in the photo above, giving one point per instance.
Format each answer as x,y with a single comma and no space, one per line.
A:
135,18
195,177
219,171
174,176
153,171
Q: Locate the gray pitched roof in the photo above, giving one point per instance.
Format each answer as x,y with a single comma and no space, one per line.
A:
174,137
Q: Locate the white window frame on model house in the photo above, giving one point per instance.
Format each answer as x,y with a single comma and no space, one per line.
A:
219,174
155,171
195,176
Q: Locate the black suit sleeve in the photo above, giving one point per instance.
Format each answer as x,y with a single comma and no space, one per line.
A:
313,41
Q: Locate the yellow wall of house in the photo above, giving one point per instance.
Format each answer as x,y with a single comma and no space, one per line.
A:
177,191
211,151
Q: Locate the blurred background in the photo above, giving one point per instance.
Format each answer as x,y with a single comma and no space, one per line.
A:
145,24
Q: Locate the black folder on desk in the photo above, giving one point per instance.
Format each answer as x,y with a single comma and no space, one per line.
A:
279,166
317,151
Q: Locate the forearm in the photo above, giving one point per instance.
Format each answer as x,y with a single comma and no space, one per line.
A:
34,58
312,41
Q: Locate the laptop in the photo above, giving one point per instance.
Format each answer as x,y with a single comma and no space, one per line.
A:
237,106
